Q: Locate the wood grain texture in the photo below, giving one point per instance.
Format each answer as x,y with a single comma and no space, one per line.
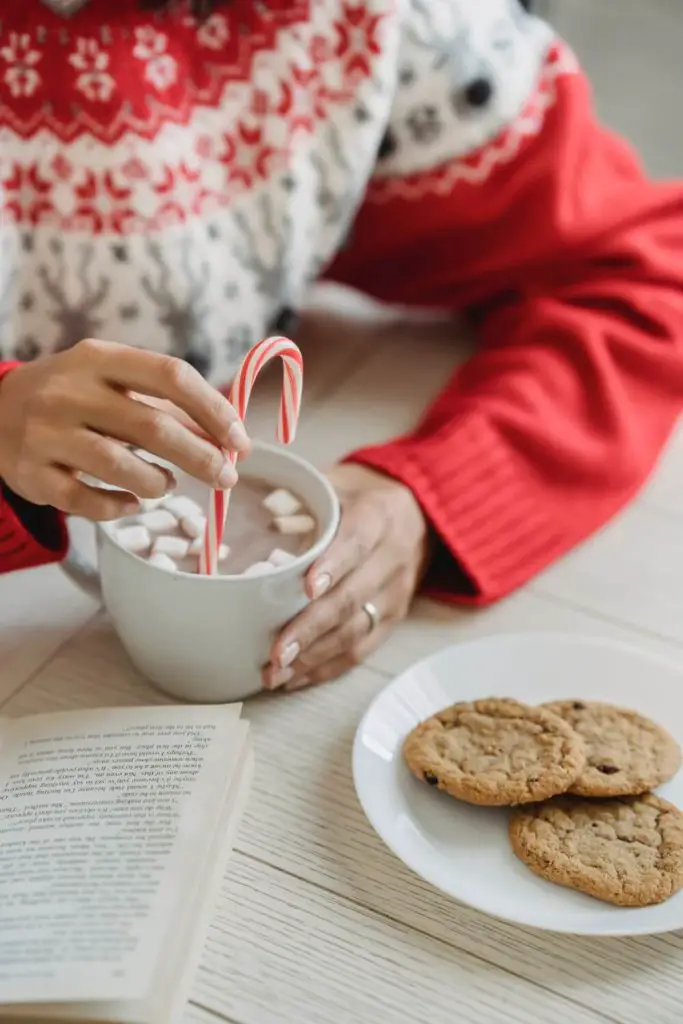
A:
432,626
200,1015
665,490
386,393
39,610
282,951
631,573
303,821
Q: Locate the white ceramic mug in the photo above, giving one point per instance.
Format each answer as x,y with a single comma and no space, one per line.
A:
206,638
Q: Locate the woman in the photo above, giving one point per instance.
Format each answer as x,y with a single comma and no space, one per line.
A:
175,175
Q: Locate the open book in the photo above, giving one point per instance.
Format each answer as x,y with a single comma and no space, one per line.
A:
115,831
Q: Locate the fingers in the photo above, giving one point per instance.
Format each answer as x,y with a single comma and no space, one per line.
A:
62,490
332,612
163,435
330,670
360,532
114,464
162,376
346,644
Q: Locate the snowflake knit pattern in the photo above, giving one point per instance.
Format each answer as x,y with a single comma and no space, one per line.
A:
177,184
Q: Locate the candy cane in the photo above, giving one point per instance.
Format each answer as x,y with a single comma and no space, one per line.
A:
240,393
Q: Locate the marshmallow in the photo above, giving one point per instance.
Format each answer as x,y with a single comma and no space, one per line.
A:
282,503
149,504
295,525
181,506
193,526
258,569
158,520
134,538
161,561
279,557
174,547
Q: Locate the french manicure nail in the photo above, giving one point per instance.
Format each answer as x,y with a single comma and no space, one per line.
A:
237,436
280,678
228,476
321,584
289,655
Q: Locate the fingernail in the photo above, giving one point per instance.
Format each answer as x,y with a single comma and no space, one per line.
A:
321,584
289,654
131,508
300,684
237,436
171,482
279,678
228,475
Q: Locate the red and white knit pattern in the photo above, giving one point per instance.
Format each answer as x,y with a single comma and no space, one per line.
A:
174,184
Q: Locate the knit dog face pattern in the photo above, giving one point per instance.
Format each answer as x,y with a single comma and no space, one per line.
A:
177,183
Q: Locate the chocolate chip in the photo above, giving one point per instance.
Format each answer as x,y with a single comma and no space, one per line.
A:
578,706
430,779
607,769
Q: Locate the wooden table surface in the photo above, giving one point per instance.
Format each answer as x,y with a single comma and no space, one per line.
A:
317,921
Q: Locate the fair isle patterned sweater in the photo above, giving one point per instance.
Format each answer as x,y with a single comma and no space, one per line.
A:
178,183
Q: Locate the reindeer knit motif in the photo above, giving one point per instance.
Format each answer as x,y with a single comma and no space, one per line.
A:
177,183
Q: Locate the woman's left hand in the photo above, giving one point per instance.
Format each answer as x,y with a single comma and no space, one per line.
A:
362,586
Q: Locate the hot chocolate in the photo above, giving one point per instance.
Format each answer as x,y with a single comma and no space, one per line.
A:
265,529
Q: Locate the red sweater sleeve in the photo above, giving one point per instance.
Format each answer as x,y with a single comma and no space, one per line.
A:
571,265
29,535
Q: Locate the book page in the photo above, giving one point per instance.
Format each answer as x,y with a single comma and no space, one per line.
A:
101,815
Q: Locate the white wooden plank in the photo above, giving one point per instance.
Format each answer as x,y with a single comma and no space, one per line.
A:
632,573
432,625
91,670
39,610
303,819
665,491
338,334
284,952
200,1015
388,392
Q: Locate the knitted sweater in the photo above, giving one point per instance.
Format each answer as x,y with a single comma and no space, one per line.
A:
178,184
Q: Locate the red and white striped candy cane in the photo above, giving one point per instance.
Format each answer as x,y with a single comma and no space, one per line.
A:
240,392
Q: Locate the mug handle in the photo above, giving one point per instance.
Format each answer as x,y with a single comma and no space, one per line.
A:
82,571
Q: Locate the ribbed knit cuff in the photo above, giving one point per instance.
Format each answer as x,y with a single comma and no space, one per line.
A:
40,540
482,501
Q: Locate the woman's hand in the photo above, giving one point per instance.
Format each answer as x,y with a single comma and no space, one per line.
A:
376,562
79,411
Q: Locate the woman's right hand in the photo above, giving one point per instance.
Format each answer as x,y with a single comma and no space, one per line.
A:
78,411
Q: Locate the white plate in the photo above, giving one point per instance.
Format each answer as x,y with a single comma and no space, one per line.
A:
464,850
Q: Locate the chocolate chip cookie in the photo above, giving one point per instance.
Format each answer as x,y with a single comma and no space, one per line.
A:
625,851
626,753
496,752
